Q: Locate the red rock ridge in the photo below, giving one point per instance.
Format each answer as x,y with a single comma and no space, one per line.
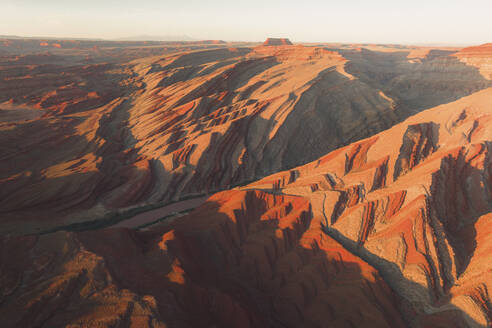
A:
277,42
113,137
478,56
419,228
324,244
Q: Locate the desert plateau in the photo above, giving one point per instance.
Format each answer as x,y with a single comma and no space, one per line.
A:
244,184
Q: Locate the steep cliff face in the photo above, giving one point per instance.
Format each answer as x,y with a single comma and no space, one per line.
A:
416,82
390,231
414,202
251,116
277,42
479,56
112,137
243,259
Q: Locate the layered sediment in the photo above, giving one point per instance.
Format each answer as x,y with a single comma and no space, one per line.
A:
277,42
112,137
389,231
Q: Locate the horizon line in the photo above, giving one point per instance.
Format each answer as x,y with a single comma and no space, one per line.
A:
186,38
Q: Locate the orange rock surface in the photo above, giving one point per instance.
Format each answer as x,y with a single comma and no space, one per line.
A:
214,184
390,231
414,202
114,136
478,56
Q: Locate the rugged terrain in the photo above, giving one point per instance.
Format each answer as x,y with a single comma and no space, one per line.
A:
317,186
83,141
390,231
479,57
277,42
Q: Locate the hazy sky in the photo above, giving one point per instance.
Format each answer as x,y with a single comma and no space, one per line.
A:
385,21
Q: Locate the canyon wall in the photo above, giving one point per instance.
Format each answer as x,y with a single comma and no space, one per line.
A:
389,231
110,138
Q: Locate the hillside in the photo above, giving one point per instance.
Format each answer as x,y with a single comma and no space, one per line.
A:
389,231
96,142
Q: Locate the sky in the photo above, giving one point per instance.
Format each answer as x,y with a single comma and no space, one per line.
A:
355,21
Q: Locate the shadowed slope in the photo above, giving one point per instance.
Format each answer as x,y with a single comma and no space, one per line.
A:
479,56
243,259
161,129
343,241
390,231
410,201
277,42
415,84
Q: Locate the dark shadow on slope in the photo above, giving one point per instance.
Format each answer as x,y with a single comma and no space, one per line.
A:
55,144
461,194
248,273
415,315
208,56
245,269
333,112
26,195
419,141
231,79
415,85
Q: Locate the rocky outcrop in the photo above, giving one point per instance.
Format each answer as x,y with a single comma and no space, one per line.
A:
360,249
55,280
423,228
418,143
415,84
243,259
479,57
116,137
277,42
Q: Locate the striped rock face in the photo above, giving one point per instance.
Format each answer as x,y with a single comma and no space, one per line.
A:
392,230
257,186
83,142
480,57
277,42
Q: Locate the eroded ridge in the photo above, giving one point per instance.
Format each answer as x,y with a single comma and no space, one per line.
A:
420,228
104,136
388,231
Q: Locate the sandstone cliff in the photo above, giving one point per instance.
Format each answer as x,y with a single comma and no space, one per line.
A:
277,42
111,138
390,231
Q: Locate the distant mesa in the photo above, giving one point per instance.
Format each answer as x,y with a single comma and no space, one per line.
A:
277,42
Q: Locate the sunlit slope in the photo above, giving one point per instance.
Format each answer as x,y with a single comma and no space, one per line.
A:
155,130
389,231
